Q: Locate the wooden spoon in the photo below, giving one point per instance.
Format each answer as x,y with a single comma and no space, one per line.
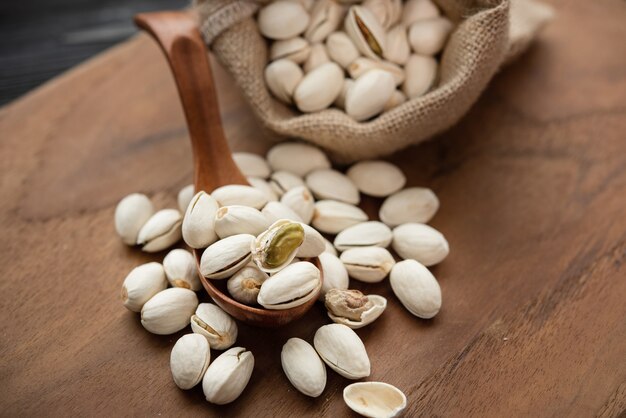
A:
178,36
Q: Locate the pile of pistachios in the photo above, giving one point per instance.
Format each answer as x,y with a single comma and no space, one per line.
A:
262,239
363,56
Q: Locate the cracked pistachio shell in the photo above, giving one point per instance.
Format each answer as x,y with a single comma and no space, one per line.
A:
317,57
141,284
335,274
366,32
412,205
416,288
292,286
428,37
420,242
303,367
369,94
219,329
131,214
340,101
264,187
300,200
341,49
184,197
282,77
396,99
313,245
283,181
162,230
333,185
244,286
365,234
228,376
189,360
252,164
374,399
198,225
295,49
415,10
377,178
180,269
319,88
234,220
352,308
275,248
368,264
236,194
326,16
223,258
169,310
342,350
387,12
421,73
332,217
362,65
398,49
296,158
282,20
275,211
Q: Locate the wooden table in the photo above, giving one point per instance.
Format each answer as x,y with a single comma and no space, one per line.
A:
532,185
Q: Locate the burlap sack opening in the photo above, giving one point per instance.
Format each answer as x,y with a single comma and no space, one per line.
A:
489,33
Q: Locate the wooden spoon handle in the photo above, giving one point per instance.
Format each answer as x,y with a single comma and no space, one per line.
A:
178,36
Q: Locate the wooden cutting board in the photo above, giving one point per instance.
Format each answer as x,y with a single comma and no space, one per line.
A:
532,184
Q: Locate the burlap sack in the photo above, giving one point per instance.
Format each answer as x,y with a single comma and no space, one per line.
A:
490,33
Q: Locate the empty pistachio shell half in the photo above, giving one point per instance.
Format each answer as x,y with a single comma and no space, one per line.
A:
341,49
283,20
387,12
335,274
377,178
189,360
235,194
141,284
303,367
281,77
228,376
352,308
198,224
292,286
317,57
169,310
236,219
264,187
369,94
415,10
295,49
342,350
366,32
415,204
319,88
332,217
223,258
416,288
428,37
161,231
275,211
299,200
368,264
283,181
398,48
420,242
296,158
326,16
277,246
131,214
251,164
180,269
184,197
365,234
421,73
215,325
244,286
374,399
333,185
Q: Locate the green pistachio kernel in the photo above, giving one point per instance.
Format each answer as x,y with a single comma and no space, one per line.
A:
288,237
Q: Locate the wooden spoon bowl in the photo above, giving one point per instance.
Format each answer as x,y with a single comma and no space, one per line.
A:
178,36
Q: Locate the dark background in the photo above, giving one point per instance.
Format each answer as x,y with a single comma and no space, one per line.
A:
42,38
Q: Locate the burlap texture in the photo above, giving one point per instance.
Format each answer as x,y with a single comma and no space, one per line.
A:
487,36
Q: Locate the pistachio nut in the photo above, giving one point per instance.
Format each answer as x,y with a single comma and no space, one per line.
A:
374,399
415,204
283,181
421,73
377,178
367,264
396,99
169,310
281,77
335,274
369,94
244,286
329,248
341,49
398,49
366,32
274,211
340,101
296,158
428,37
326,16
162,230
352,308
333,185
131,214
228,376
313,245
332,217
364,234
252,164
416,10
277,246
362,66
236,194
317,57
299,200
342,350
189,360
387,12
319,88
264,187
141,284
184,197
416,288
420,242
303,367
292,286
180,269
198,225
215,325
223,258
233,220
294,49
282,20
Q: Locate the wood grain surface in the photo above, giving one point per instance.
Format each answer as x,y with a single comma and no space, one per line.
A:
532,184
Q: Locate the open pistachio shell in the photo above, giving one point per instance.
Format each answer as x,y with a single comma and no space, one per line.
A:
374,399
223,258
274,249
366,32
292,286
352,308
